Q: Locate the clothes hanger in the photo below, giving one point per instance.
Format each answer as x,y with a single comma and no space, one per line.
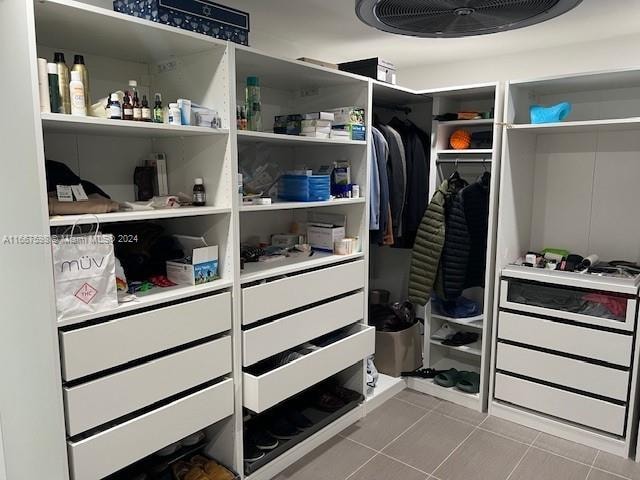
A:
486,176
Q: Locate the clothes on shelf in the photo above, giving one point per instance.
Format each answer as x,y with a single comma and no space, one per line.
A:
461,307
449,254
400,152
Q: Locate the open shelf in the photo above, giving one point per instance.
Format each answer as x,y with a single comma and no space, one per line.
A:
386,388
467,123
60,123
284,205
247,136
471,349
470,322
155,296
66,220
586,126
260,270
468,151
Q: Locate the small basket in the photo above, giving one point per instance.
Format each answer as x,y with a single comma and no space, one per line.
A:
552,114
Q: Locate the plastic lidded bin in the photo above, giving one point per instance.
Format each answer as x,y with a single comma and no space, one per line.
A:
304,188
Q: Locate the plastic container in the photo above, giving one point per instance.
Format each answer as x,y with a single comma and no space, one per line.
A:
304,188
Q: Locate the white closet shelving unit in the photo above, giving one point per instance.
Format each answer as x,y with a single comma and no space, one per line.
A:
120,404
569,185
470,163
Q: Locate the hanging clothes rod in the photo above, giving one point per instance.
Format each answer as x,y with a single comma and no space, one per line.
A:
463,160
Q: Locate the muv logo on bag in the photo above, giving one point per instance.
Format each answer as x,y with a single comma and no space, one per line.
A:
83,263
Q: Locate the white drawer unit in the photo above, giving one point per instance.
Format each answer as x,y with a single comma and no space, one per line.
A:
99,347
567,372
580,409
279,296
607,309
287,332
265,391
609,347
106,452
99,401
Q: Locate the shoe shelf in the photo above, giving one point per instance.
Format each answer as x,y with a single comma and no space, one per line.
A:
474,348
475,322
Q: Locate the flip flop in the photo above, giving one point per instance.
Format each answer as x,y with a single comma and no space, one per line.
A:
422,373
469,382
461,338
448,378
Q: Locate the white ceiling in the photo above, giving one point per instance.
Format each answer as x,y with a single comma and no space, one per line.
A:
329,30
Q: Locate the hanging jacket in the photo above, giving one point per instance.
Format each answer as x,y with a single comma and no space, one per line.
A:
475,201
397,177
382,156
455,253
374,188
416,145
428,248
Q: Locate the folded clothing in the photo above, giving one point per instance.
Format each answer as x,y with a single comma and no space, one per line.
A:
461,307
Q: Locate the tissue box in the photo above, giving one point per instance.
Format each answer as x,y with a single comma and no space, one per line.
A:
200,264
200,16
324,229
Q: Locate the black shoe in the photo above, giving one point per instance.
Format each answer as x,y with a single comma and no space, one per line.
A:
298,419
252,453
282,429
262,440
344,394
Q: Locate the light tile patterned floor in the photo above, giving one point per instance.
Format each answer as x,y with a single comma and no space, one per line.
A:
417,437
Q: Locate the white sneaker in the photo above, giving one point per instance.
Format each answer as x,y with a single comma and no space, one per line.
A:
444,333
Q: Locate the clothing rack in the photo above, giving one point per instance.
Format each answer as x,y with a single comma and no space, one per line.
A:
463,160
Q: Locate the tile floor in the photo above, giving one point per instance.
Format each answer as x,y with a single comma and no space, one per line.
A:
417,437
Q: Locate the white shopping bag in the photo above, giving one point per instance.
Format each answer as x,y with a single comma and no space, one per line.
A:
84,274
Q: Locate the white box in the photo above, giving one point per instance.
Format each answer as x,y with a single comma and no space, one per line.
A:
199,266
323,238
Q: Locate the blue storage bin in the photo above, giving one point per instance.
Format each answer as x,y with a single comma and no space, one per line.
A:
200,16
304,188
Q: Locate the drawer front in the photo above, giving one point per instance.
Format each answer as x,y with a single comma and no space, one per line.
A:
265,391
106,345
97,456
580,409
579,305
563,371
608,347
268,299
99,401
277,336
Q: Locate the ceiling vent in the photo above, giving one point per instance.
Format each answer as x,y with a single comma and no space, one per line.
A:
457,18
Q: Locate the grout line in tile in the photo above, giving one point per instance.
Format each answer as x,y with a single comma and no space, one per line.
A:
592,464
455,449
522,457
617,475
360,468
403,463
408,428
567,458
419,406
361,444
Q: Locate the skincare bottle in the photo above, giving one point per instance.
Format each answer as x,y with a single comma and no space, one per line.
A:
43,86
63,83
79,66
54,88
146,111
127,108
137,108
174,114
199,194
158,111
254,114
114,111
76,91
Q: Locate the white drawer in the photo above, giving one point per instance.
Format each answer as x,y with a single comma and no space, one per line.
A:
108,398
287,332
278,296
99,347
563,371
265,391
97,456
626,321
585,342
573,407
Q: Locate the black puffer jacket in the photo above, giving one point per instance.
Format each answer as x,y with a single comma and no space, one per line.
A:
455,254
475,201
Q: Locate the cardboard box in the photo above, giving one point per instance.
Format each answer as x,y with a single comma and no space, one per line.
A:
200,16
199,265
348,115
353,131
398,352
375,68
323,229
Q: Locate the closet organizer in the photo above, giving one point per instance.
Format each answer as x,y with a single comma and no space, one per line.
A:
565,360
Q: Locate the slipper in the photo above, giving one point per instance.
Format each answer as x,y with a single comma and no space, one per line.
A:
422,373
444,332
448,378
461,338
469,382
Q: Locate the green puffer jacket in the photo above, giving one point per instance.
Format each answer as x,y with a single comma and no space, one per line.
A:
428,248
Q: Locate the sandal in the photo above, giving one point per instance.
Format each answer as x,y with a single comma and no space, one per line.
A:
469,382
461,338
422,373
448,378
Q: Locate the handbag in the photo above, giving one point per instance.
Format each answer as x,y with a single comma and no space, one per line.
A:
84,273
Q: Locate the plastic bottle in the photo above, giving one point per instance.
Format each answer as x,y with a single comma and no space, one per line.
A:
127,108
146,111
174,114
199,194
79,66
254,113
63,83
76,92
158,111
114,109
54,88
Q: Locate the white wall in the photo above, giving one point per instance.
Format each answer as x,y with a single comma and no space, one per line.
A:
619,52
